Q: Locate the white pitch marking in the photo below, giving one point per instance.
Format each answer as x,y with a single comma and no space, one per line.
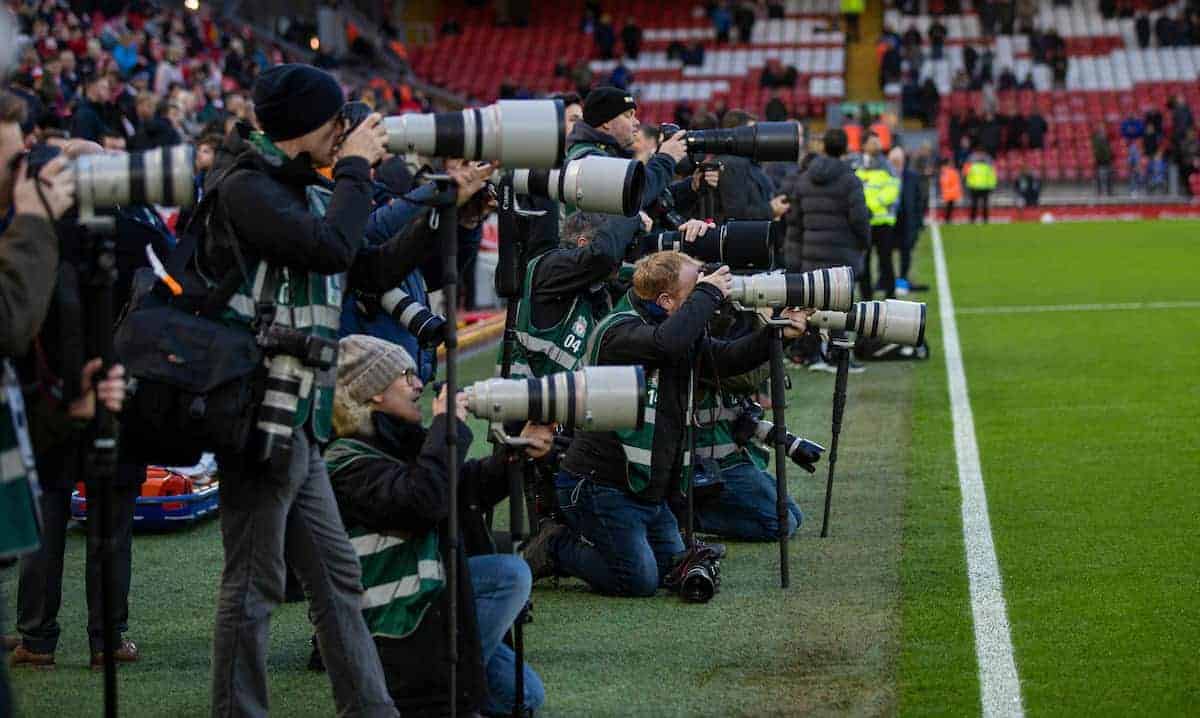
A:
1037,308
999,685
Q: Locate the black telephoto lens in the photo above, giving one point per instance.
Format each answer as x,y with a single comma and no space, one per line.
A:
762,142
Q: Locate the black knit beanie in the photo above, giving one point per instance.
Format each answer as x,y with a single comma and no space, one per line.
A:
605,103
292,100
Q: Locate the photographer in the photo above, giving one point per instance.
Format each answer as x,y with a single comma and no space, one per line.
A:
620,535
744,191
389,476
28,262
262,220
610,127
363,312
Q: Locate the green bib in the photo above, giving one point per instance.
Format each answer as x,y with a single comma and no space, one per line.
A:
715,414
401,576
540,352
19,533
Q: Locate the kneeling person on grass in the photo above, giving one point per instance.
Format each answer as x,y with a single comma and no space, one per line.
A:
620,535
389,477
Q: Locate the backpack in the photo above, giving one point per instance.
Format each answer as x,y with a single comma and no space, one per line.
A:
196,381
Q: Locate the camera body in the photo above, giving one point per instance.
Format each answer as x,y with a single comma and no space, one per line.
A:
750,426
697,573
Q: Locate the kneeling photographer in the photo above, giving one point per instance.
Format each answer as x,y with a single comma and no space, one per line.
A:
389,476
620,534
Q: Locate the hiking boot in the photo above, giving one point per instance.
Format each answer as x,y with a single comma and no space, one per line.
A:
22,656
537,550
127,652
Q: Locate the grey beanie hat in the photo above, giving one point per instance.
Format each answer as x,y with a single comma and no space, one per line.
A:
367,366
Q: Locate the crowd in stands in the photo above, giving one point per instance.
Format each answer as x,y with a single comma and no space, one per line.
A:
148,76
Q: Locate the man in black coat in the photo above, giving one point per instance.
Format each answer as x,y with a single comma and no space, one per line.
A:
87,122
828,224
262,217
620,534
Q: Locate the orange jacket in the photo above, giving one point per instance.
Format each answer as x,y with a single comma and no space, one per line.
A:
853,132
950,184
884,133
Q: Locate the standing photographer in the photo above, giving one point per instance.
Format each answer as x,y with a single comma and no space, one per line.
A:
620,535
610,127
263,220
28,261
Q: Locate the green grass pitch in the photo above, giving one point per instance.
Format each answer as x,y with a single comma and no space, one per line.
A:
1089,434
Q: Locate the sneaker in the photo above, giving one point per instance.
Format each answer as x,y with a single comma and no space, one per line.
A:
22,656
127,652
822,365
856,368
537,551
901,287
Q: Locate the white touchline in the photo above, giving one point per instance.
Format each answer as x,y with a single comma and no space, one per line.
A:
1036,308
999,686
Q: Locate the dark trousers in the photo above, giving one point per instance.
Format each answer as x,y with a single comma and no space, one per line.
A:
39,594
907,240
851,19
883,239
980,199
948,212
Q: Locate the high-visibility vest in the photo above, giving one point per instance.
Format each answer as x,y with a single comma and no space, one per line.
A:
884,133
981,176
853,7
853,132
881,190
950,184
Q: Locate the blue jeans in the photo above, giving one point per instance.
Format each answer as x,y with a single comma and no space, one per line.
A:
745,509
501,583
618,544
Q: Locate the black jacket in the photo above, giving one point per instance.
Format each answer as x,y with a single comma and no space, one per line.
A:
828,224
412,495
670,346
660,169
28,258
268,212
566,273
745,190
910,214
86,122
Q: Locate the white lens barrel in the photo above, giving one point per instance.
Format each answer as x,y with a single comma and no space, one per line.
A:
517,133
593,399
163,175
894,321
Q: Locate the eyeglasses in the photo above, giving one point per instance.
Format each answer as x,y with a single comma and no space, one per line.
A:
409,377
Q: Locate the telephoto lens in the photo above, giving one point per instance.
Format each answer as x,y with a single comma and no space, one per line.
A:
597,398
802,452
277,415
761,142
831,289
517,133
894,320
427,327
741,244
163,175
610,185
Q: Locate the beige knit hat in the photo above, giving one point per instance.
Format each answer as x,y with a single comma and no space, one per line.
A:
367,366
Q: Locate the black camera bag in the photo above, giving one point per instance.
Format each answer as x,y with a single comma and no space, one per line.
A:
197,380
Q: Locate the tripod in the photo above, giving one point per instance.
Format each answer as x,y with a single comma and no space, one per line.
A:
840,350
779,407
97,290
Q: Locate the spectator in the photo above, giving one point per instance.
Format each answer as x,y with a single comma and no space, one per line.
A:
970,60
562,69
990,134
929,99
168,72
694,55
1181,119
1028,187
851,10
1156,173
774,74
1027,83
722,21
776,110
621,76
1035,129
1137,169
1102,156
87,122
631,38
744,17
582,77
1007,79
1141,28
1164,30
910,219
1132,129
155,128
1015,131
605,37
937,38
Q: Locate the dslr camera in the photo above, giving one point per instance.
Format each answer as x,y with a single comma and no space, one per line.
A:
750,426
741,244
